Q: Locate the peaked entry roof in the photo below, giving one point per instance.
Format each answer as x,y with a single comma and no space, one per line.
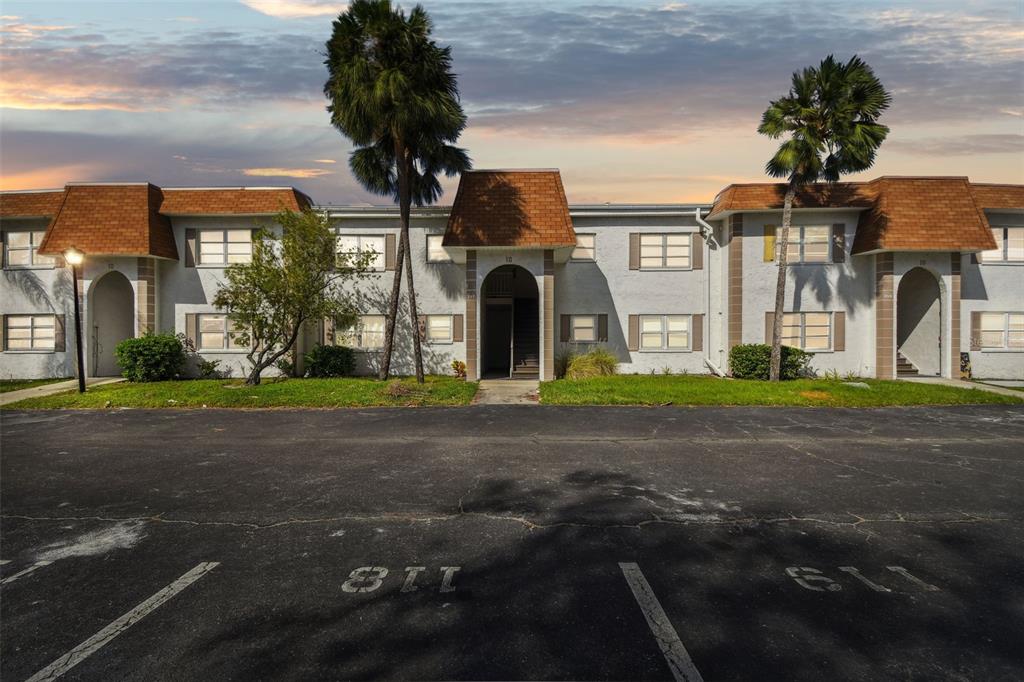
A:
517,208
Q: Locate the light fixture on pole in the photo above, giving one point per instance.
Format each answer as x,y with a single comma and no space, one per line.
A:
74,258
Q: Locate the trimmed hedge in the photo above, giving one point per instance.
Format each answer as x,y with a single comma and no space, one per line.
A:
153,357
330,361
753,361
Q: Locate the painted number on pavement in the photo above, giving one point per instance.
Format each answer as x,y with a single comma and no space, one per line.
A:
369,578
813,579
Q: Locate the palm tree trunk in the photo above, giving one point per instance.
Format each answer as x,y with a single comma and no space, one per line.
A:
413,312
780,284
389,323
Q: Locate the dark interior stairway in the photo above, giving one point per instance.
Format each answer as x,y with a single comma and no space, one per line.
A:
904,368
525,340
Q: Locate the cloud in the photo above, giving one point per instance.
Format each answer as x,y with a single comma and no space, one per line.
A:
966,145
324,161
295,9
286,172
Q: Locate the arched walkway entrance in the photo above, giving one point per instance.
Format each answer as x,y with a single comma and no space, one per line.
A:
919,324
111,308
509,322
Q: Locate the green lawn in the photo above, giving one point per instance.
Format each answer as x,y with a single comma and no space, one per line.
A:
705,390
8,385
356,392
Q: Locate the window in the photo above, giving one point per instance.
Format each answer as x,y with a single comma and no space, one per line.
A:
435,249
664,251
1002,330
808,245
357,244
223,247
584,247
583,328
367,333
439,328
31,332
23,250
217,332
1009,246
664,332
809,331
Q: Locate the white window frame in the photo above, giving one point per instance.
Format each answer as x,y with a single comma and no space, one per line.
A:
353,337
427,331
1001,254
803,330
800,242
444,256
225,249
592,326
228,334
378,255
687,242
35,261
579,251
664,332
1004,330
32,326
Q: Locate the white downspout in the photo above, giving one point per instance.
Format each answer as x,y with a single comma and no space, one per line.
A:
708,232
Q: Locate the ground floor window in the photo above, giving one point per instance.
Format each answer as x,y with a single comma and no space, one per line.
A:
218,332
439,328
367,333
31,332
809,331
664,332
1002,330
583,328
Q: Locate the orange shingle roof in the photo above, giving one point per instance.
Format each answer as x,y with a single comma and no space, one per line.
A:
997,197
523,208
30,204
771,196
232,201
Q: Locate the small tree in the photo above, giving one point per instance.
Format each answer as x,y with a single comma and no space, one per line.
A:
830,118
292,278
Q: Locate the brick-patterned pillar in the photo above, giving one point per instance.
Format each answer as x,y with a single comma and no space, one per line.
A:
549,315
735,336
145,304
954,315
471,367
885,323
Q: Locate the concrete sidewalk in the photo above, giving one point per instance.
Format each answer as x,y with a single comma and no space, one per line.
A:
507,392
968,385
50,389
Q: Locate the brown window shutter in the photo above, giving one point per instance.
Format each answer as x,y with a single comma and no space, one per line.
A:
975,330
457,326
191,248
634,251
839,243
839,331
3,332
769,243
565,330
192,329
59,335
697,332
3,252
769,324
602,328
389,252
328,335
634,333
421,326
697,252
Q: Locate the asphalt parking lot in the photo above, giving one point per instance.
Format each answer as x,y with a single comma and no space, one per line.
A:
513,543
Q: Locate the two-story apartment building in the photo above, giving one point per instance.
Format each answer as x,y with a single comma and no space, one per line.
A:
896,275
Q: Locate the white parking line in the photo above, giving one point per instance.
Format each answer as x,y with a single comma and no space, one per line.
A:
679,661
89,646
12,578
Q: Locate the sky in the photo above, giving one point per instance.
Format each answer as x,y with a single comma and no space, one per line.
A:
634,101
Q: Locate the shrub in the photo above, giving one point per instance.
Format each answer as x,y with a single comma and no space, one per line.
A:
330,361
563,359
753,361
153,357
459,368
594,363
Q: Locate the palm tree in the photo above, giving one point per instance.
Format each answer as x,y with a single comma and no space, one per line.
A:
830,120
392,93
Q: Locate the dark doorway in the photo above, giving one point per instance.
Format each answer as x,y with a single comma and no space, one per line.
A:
510,323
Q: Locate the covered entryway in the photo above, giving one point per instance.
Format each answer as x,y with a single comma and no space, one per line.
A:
510,345
111,312
918,324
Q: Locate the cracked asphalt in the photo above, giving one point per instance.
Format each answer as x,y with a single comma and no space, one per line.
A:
486,543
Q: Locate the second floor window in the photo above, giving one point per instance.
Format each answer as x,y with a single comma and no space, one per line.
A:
435,249
218,332
584,247
357,244
1009,246
224,247
664,251
808,244
22,250
366,333
809,331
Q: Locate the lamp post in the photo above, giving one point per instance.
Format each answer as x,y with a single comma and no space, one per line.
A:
74,258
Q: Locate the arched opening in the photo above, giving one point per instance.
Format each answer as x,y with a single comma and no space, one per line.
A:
918,324
111,309
509,320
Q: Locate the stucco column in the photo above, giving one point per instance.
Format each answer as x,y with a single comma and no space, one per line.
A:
735,319
145,296
954,315
471,326
885,329
548,367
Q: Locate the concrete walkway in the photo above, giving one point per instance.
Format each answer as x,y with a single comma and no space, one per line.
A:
968,385
57,387
507,392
